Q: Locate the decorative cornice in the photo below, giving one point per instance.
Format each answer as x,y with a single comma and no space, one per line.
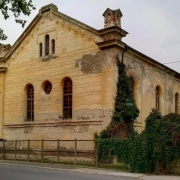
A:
110,43
113,29
3,69
111,37
53,124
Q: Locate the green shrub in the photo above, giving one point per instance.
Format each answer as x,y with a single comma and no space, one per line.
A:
152,151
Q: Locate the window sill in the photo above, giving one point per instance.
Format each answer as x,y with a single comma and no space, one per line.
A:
48,57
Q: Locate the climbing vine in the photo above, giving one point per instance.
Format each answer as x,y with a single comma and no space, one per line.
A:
122,114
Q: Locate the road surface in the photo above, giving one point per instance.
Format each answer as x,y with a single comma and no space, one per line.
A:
8,172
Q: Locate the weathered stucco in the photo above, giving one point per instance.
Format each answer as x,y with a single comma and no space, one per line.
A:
147,77
91,64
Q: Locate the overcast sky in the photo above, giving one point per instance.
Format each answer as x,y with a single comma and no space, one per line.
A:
153,25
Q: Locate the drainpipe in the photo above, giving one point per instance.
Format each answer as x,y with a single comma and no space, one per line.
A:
126,48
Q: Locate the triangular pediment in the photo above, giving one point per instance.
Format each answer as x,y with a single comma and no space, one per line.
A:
50,13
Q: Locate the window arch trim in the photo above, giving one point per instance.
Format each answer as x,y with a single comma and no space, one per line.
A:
30,102
47,45
67,98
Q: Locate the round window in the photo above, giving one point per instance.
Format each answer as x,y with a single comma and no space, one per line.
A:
47,87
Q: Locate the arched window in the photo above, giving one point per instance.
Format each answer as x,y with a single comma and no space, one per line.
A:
53,46
47,44
40,49
176,102
132,86
67,99
30,103
157,98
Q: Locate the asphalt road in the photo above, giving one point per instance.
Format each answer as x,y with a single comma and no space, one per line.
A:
8,172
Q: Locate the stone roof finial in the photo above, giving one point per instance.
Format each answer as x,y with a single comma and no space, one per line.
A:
112,18
4,48
49,7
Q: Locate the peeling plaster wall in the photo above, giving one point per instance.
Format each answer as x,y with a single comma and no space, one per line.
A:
92,64
147,77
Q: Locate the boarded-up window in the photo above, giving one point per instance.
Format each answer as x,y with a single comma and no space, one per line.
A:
47,44
67,99
157,98
30,103
176,102
53,46
40,49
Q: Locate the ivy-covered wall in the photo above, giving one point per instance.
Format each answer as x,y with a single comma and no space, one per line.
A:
152,151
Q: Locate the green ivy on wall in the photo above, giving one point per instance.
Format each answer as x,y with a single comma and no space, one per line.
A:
122,114
152,151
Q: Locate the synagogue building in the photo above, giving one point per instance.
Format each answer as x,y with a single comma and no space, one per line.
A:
58,81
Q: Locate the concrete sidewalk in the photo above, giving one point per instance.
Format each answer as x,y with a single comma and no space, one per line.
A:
88,170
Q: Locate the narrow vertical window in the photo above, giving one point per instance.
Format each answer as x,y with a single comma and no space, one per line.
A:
67,99
157,98
30,103
132,86
53,46
40,49
47,44
176,103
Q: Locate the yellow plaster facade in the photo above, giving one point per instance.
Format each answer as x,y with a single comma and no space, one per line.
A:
88,57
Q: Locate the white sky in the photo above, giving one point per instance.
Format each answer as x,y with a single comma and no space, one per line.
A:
153,25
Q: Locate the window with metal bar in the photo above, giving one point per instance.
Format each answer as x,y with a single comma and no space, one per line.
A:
47,44
40,49
67,99
176,103
53,46
157,98
47,87
30,103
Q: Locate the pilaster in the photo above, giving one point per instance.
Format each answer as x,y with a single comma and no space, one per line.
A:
2,73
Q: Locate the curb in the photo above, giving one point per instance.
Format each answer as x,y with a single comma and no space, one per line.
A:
76,169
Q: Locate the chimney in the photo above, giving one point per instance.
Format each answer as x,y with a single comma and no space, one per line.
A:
112,18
